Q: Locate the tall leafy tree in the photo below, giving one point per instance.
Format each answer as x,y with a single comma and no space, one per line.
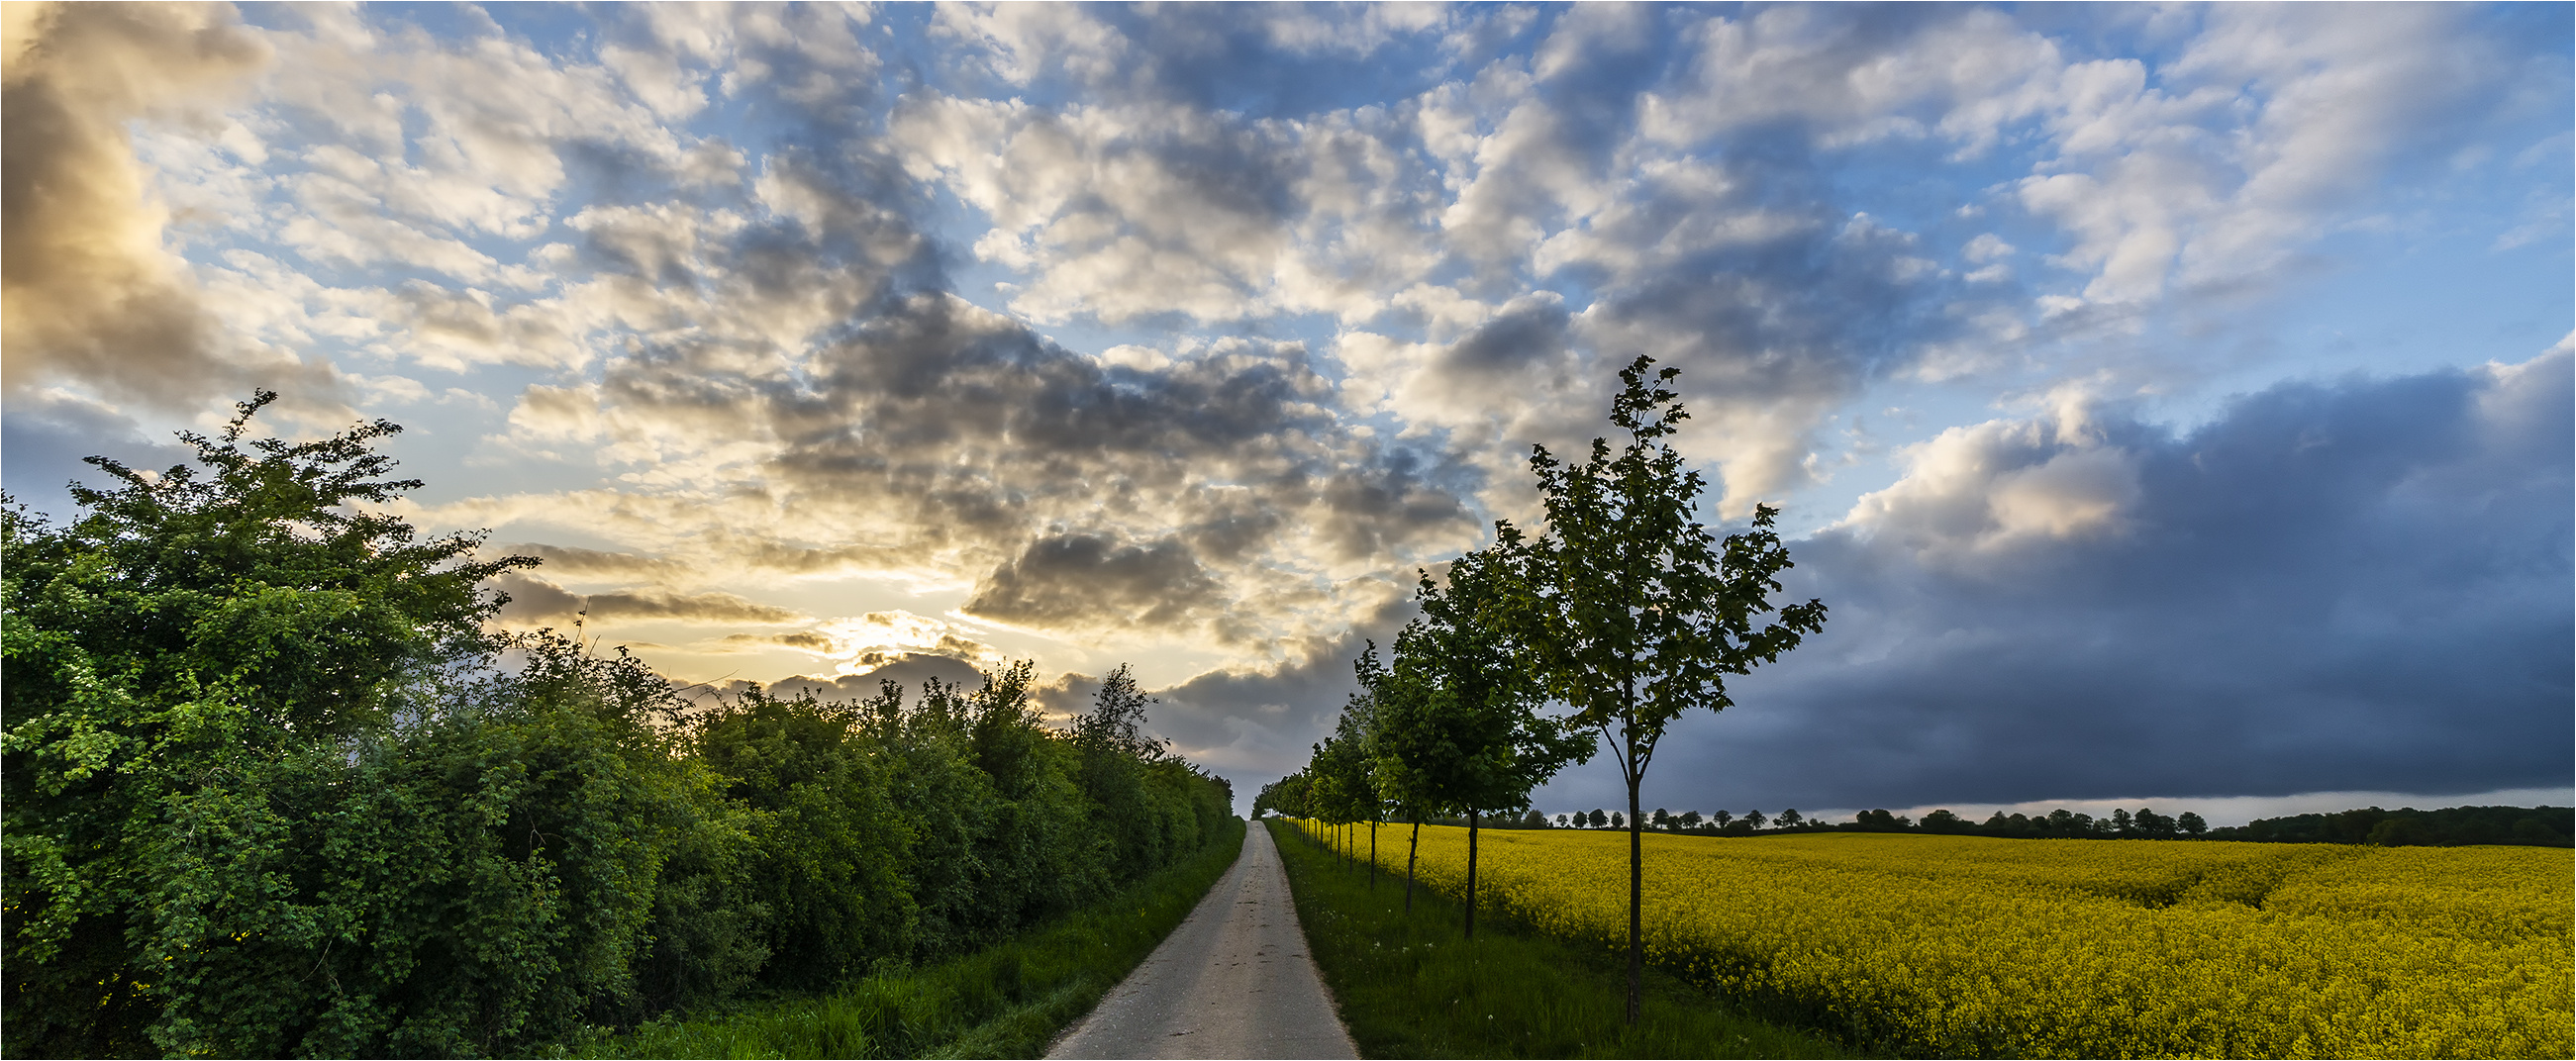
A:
1115,752
1630,609
259,801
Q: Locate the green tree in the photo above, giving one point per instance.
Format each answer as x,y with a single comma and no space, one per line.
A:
263,799
830,844
1463,727
1115,750
268,791
1631,610
1407,746
1346,790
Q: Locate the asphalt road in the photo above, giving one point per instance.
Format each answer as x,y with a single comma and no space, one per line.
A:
1233,981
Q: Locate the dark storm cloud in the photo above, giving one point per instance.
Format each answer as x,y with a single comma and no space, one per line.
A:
2360,585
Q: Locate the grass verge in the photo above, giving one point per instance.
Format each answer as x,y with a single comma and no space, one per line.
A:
1008,1000
1411,987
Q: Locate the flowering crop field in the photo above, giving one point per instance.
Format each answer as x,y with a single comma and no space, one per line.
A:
1954,946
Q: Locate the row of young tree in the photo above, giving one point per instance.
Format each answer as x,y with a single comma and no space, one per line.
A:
272,790
1626,610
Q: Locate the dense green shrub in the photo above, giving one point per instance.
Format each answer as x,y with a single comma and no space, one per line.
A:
271,790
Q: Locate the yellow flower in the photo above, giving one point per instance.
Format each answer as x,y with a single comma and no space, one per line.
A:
1975,945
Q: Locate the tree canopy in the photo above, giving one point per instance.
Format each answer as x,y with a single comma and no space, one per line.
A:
272,789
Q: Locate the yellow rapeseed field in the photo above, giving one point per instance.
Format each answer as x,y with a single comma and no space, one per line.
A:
1950,945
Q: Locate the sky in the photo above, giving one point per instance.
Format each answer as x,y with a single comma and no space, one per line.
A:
2171,404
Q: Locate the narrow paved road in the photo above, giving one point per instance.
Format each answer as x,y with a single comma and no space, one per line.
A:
1233,981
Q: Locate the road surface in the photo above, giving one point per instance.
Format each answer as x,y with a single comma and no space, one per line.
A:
1233,981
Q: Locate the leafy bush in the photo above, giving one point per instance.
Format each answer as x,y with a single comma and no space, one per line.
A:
271,790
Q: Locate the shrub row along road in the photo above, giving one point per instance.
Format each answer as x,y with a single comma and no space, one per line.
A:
1233,981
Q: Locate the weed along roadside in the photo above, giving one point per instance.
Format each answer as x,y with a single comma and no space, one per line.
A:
1006,1001
1409,985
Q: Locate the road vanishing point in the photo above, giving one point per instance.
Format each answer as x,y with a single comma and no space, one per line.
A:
1234,980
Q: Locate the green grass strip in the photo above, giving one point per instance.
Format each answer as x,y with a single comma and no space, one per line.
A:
1412,987
1008,1000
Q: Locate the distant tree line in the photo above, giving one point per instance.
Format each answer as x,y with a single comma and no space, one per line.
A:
2404,827
272,790
2408,827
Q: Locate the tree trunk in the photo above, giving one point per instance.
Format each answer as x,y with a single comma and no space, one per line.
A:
1471,874
1372,854
1412,849
1636,900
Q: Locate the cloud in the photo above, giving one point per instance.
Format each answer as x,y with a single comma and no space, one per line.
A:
1268,59
866,643
1253,724
908,672
93,293
1084,577
47,433
2349,585
579,563
1126,212
1318,277
537,602
1991,486
2272,122
1961,74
